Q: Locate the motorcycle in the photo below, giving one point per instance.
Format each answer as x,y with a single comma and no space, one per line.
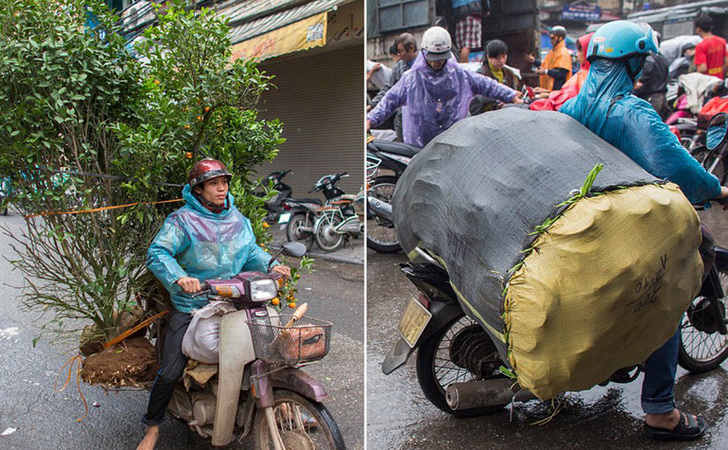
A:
299,217
6,190
458,365
337,220
381,235
274,206
394,157
260,387
712,155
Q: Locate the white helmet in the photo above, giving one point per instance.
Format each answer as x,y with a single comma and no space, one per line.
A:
436,43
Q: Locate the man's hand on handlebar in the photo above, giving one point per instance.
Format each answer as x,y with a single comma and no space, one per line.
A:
283,270
518,98
189,285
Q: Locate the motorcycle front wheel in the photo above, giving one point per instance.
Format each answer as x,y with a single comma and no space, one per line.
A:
302,424
294,232
436,369
702,351
381,235
325,233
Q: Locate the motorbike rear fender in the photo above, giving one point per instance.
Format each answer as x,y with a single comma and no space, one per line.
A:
442,314
298,381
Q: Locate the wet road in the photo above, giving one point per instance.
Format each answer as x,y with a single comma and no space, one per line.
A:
399,416
45,419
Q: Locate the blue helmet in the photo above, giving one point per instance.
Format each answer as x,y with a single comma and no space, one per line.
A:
622,39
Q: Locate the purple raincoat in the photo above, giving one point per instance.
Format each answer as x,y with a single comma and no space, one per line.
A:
434,100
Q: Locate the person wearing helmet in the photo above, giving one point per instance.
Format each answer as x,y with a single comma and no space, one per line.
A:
607,107
711,57
682,64
206,238
436,92
556,67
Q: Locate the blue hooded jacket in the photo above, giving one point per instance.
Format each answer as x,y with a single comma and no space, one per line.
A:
195,242
606,106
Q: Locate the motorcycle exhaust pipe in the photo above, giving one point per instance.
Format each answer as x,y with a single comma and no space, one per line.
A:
380,208
483,394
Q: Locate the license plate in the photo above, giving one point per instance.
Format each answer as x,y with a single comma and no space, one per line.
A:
284,218
413,322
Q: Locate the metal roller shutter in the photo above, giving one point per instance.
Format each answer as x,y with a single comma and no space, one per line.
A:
320,101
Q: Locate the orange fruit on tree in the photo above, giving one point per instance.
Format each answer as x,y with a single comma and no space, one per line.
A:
276,301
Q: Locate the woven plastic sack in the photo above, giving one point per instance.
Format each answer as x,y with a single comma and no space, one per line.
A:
202,337
571,284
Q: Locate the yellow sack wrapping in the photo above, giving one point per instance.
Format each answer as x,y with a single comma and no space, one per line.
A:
602,288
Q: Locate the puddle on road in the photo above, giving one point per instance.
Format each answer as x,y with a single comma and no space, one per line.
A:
607,417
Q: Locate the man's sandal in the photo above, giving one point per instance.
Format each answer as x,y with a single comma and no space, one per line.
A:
688,428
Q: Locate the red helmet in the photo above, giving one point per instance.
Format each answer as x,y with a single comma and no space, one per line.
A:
207,169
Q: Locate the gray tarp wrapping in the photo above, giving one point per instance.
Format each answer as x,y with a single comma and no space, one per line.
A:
473,195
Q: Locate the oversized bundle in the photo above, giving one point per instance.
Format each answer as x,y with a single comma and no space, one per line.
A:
572,280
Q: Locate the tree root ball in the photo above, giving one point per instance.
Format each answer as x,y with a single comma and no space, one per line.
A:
130,363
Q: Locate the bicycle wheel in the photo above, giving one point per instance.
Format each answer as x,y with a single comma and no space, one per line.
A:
302,424
702,348
441,361
381,235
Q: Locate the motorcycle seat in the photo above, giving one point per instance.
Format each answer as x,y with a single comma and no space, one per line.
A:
397,148
305,200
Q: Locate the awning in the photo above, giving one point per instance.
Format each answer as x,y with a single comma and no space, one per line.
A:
283,32
301,35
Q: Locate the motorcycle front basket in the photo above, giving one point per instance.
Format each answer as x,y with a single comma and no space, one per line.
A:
305,341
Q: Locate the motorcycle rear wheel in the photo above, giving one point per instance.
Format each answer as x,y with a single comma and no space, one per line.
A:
436,370
699,351
294,234
382,238
326,237
302,424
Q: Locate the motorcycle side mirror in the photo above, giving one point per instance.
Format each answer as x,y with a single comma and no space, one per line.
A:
290,249
717,131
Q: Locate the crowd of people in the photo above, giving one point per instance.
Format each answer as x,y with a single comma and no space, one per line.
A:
558,81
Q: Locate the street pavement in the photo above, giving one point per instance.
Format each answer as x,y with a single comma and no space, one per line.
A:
400,417
46,419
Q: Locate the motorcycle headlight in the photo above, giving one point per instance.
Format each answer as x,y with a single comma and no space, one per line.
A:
262,290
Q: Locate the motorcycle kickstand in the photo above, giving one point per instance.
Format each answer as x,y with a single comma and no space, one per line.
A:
273,429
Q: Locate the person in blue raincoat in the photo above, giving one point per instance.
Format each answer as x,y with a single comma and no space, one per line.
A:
205,239
435,92
606,106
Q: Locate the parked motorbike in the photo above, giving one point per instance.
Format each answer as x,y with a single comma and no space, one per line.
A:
458,365
6,189
337,221
274,206
259,386
299,216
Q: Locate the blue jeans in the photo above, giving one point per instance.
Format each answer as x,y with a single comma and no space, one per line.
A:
659,382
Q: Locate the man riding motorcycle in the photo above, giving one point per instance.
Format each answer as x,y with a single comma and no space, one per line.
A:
606,106
205,239
436,92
